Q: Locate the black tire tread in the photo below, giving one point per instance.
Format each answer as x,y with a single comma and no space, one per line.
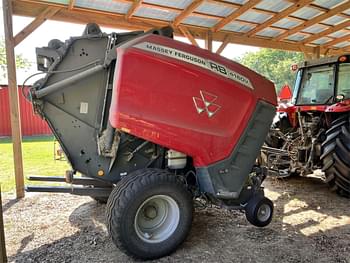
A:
336,156
122,193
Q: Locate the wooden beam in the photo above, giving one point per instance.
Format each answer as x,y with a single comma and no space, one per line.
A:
315,20
223,45
317,53
209,41
336,41
3,257
133,8
186,33
38,21
327,32
279,16
187,11
13,98
108,19
71,4
238,12
321,8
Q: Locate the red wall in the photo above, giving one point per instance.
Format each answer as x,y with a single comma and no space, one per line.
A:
31,124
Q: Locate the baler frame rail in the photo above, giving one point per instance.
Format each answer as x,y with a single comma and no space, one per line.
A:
76,185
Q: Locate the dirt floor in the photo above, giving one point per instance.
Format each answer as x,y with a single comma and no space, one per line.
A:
310,225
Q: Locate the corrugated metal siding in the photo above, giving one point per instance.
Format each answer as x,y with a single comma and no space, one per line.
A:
31,124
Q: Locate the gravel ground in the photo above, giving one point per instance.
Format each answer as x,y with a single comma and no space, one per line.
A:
310,225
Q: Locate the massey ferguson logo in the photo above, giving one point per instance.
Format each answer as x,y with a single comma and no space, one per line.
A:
205,103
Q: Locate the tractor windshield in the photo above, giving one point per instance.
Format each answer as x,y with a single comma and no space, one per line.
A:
343,87
317,85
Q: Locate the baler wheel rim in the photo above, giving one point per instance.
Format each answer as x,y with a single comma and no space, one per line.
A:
157,218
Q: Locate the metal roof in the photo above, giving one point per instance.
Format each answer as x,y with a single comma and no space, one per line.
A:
300,25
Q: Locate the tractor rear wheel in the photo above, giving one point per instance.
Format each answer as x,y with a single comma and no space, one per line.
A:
149,213
336,156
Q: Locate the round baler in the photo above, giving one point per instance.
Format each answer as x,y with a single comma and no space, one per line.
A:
163,124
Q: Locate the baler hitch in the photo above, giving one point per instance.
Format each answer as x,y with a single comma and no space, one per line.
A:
78,185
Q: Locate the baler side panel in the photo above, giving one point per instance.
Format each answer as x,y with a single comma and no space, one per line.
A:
154,99
226,178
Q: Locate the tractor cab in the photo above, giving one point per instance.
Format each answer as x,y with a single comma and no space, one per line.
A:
323,82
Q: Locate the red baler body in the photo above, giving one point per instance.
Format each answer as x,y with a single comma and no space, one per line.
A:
154,95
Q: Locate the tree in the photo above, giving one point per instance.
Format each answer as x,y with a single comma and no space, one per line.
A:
21,62
273,64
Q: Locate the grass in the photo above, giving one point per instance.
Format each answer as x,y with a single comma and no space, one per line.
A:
38,159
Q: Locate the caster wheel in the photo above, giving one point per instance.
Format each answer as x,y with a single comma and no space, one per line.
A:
259,211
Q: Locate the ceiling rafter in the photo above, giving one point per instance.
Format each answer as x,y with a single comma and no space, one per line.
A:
200,14
186,33
315,20
84,15
238,12
326,32
321,8
279,16
136,4
187,11
336,41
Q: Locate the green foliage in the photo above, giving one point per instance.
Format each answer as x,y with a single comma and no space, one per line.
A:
21,62
38,159
273,64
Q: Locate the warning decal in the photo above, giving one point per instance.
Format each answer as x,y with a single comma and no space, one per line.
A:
195,60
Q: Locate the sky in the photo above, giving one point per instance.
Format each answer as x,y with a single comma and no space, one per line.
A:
62,31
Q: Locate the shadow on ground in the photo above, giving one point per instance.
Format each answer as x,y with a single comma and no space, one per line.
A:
310,225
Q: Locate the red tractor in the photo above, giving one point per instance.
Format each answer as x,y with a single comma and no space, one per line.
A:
312,130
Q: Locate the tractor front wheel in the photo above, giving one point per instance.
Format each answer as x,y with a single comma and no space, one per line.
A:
149,213
336,156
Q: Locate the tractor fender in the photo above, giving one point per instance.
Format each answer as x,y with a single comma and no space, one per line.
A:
342,106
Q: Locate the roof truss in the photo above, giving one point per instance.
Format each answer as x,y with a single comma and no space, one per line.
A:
253,36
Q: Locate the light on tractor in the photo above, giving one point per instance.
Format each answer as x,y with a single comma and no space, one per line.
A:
294,67
342,59
100,173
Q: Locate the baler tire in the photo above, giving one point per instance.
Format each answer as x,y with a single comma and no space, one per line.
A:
336,156
259,210
135,204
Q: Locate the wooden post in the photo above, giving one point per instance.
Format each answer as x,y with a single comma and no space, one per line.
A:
209,41
13,98
317,53
3,257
